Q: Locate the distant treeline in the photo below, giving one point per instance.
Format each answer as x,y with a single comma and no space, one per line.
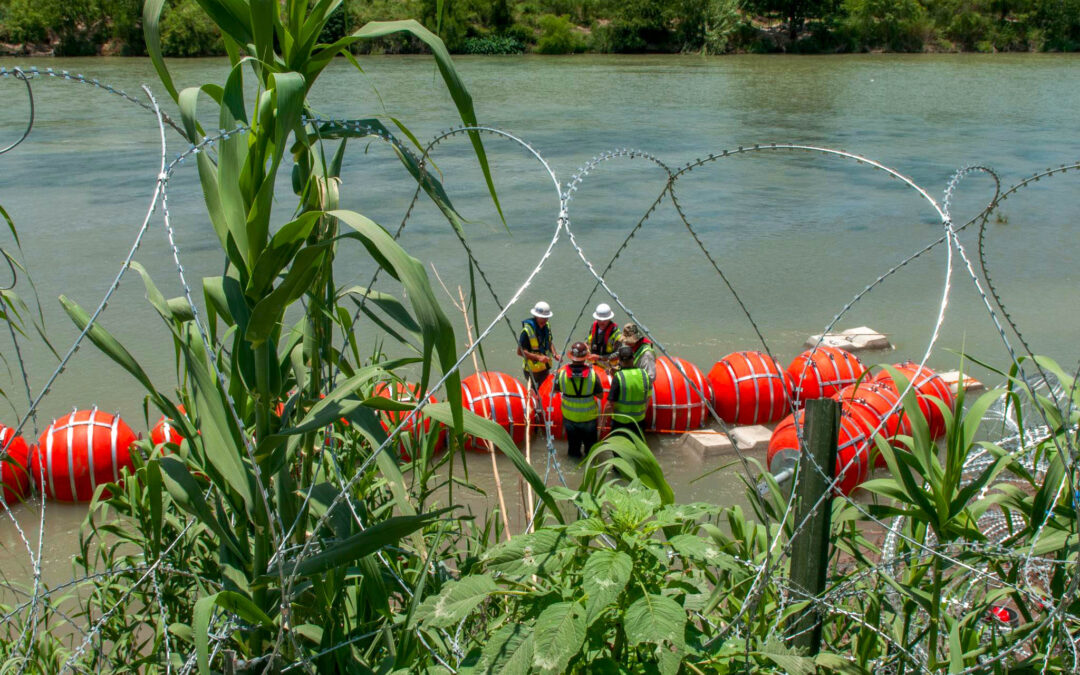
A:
87,27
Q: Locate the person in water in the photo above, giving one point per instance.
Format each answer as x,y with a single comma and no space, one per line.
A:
604,335
629,395
535,345
644,356
580,388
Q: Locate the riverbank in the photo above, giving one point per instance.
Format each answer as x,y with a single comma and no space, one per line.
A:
551,27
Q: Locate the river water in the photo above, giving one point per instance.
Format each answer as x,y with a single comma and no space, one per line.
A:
797,234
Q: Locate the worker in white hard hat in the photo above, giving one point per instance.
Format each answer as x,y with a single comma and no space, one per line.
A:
535,345
603,339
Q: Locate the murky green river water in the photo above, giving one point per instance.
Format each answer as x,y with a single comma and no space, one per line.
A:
797,234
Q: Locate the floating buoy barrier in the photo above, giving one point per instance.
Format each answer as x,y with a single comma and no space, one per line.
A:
675,404
852,456
165,432
876,406
821,372
389,419
499,398
749,388
551,405
80,451
14,475
928,385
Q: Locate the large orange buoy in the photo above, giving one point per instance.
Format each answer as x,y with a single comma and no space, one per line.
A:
551,405
499,398
928,385
675,405
165,432
14,475
749,388
852,457
877,407
80,451
821,372
389,419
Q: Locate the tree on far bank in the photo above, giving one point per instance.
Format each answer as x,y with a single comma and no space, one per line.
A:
795,12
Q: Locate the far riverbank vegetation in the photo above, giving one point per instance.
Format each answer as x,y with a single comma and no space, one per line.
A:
114,27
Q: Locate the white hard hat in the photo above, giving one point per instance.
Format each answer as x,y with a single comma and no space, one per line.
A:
603,313
542,310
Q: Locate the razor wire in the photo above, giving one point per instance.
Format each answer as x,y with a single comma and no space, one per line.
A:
765,571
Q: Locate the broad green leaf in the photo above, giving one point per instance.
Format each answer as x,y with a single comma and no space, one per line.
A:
604,577
152,34
347,551
281,249
558,636
541,552
267,314
653,619
509,651
456,601
700,550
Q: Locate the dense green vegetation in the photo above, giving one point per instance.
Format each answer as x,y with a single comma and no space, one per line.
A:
79,27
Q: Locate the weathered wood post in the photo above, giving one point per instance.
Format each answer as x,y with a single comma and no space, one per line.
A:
810,545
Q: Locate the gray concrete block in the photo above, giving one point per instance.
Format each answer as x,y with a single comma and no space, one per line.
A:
858,339
952,378
752,438
708,443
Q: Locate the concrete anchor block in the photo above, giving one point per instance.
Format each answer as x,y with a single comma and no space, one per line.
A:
858,339
952,378
709,443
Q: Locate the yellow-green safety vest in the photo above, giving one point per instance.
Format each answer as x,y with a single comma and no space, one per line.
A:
645,347
633,396
535,346
578,403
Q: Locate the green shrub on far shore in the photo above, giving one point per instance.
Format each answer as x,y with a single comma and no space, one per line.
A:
556,35
896,25
186,30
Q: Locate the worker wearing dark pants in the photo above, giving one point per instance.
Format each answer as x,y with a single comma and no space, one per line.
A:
580,388
629,394
536,347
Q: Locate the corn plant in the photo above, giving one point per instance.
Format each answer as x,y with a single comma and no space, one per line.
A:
269,523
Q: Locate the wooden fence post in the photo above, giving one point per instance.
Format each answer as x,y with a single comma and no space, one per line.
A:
810,545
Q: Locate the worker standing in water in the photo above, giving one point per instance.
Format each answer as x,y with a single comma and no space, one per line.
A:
629,395
644,356
535,345
580,388
604,335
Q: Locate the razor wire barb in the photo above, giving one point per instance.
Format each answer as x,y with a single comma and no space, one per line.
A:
768,571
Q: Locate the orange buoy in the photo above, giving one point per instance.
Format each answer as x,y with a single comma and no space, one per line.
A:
675,405
14,476
165,432
852,457
877,407
928,385
389,419
551,405
80,451
499,398
749,388
821,372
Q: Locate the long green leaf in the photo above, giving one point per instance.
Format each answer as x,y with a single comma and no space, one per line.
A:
374,538
230,601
